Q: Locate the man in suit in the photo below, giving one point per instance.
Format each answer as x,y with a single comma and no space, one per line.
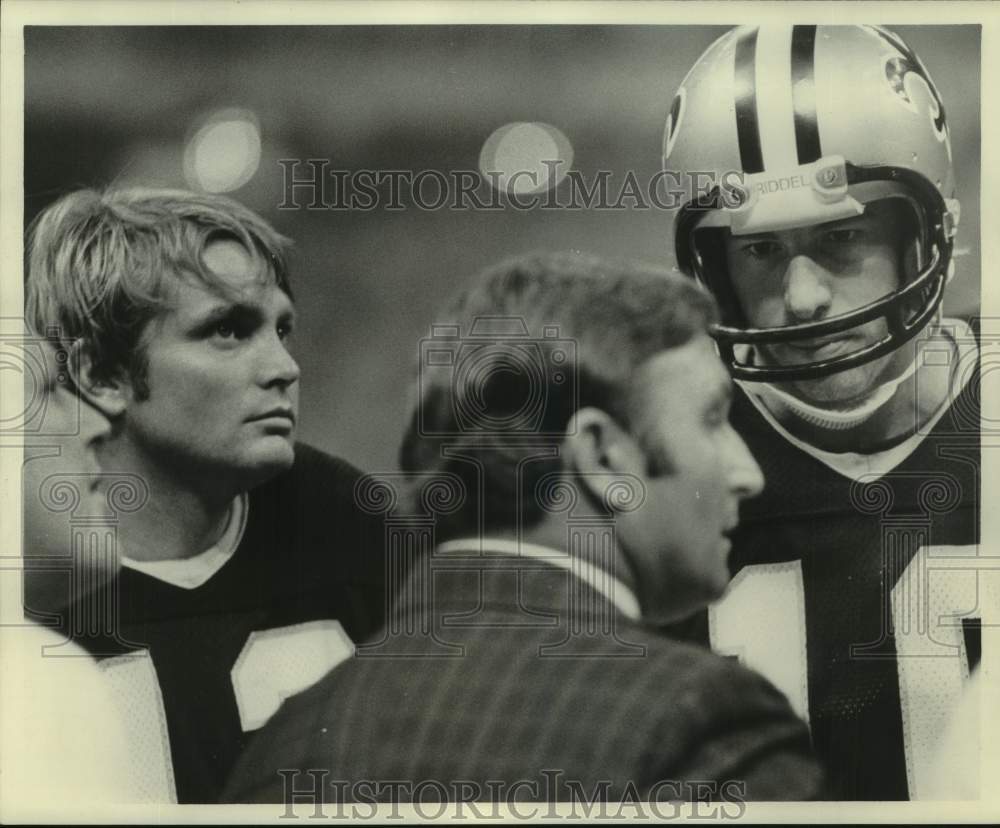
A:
249,573
571,447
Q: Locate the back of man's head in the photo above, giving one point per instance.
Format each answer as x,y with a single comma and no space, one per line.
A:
101,265
517,354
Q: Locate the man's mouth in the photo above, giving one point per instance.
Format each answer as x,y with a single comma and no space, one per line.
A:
280,413
823,347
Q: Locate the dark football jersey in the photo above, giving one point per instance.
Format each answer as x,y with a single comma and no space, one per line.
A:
304,584
856,591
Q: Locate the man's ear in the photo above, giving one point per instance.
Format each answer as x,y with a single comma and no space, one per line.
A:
109,396
599,450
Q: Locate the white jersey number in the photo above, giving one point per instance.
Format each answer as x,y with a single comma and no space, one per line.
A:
273,665
761,620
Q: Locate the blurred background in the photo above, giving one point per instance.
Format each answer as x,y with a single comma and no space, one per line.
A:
217,108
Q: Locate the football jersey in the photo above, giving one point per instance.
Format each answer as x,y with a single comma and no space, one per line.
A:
64,744
304,584
856,591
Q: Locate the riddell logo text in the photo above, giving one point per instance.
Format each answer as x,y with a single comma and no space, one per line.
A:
779,185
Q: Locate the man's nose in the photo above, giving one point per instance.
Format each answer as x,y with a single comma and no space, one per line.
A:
745,477
807,290
279,366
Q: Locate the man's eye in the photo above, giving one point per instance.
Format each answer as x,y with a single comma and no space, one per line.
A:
285,330
761,249
844,236
232,329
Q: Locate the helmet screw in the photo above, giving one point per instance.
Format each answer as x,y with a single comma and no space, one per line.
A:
828,177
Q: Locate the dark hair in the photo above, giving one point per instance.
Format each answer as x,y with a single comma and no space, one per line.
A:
606,318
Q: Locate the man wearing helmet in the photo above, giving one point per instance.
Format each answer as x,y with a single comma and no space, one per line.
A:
826,236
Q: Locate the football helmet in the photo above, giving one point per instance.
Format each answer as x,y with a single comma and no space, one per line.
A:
776,128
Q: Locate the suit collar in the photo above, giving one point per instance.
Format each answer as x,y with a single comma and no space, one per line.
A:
597,578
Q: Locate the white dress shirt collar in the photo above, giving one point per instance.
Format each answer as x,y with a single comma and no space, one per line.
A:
600,580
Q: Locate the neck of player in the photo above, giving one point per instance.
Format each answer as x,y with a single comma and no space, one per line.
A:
185,514
912,404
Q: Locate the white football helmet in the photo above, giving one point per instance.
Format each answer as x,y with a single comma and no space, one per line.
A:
776,128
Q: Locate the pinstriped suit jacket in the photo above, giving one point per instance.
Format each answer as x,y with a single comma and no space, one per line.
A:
515,671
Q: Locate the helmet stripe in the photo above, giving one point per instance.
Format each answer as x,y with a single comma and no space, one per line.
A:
745,88
804,94
774,97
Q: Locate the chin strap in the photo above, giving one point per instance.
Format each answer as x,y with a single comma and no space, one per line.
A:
781,403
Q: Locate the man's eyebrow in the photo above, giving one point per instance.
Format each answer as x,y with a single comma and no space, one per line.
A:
226,309
251,311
